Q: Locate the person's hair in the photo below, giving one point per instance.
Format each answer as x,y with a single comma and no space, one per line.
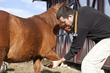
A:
64,11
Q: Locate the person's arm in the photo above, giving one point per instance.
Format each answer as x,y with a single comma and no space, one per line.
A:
75,47
77,43
56,63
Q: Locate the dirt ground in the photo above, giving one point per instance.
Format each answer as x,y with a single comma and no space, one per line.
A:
27,67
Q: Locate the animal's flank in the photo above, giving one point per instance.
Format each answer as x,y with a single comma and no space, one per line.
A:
25,39
4,29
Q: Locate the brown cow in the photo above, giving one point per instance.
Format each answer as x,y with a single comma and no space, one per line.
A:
28,39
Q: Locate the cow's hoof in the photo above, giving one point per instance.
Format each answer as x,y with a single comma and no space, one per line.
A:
3,67
47,63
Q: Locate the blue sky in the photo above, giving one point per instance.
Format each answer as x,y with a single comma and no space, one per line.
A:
27,8
23,8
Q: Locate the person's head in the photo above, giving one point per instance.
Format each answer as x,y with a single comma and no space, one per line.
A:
65,15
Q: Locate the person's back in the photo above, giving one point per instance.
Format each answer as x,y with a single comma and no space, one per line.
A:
97,23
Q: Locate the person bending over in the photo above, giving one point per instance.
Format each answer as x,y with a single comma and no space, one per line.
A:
90,23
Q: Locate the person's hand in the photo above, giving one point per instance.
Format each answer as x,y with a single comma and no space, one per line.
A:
55,64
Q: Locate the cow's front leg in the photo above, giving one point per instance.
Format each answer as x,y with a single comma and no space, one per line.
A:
52,56
37,65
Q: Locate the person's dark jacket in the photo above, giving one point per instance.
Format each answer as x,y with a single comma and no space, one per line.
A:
91,24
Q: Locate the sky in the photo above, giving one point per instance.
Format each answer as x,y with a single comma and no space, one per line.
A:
27,8
23,8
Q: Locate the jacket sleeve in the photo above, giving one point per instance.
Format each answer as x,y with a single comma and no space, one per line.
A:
77,43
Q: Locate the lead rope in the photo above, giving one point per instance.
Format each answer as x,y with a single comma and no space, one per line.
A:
75,28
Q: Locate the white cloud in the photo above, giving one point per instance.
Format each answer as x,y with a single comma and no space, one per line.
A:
2,0
17,12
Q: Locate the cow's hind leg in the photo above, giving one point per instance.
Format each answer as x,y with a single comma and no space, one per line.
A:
2,55
37,65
